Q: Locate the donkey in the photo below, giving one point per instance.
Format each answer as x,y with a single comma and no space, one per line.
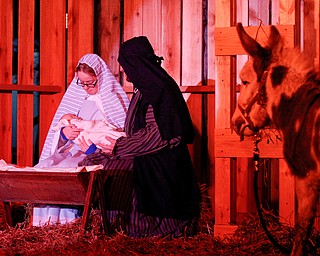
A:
280,86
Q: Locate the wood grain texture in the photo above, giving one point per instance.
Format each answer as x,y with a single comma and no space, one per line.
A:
29,88
228,144
191,58
109,34
170,47
80,32
42,187
6,32
25,75
228,43
52,60
224,96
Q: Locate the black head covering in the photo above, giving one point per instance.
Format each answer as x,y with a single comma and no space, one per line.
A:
143,69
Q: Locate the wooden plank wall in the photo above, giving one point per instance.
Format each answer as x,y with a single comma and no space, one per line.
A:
174,29
165,23
53,59
231,171
183,32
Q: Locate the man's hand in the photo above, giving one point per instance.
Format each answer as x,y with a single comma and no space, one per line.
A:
108,148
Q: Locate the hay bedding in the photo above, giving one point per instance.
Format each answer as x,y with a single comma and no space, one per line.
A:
249,239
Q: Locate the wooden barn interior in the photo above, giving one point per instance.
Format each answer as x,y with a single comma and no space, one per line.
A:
41,42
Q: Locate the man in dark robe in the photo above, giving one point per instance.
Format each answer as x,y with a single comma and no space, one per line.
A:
165,195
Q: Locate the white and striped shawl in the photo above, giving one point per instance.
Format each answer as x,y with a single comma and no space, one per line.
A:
114,99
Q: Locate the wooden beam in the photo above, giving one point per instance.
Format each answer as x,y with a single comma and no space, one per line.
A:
228,144
228,43
204,89
30,88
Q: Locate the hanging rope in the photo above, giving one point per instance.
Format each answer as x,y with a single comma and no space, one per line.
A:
256,158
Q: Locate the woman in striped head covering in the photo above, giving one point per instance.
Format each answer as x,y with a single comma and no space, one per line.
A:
94,94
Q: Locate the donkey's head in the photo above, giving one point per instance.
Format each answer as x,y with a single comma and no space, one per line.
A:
252,110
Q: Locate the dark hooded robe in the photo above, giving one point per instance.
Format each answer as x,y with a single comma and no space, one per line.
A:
164,181
158,128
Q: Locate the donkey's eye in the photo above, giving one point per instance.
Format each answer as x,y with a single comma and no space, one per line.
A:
245,82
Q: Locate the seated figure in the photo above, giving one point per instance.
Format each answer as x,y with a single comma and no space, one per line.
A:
93,94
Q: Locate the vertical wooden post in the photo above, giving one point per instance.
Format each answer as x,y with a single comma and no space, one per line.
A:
6,32
310,31
90,194
211,102
151,23
109,34
52,60
192,33
225,97
132,21
80,32
25,76
286,194
170,46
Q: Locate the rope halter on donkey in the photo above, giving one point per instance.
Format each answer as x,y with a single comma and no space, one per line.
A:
258,98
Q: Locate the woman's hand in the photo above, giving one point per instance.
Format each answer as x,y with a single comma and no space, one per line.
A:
70,117
71,131
108,148
83,144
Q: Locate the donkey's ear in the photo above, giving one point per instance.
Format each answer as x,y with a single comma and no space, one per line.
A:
275,40
251,46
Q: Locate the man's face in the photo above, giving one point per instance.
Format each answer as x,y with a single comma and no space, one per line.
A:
122,70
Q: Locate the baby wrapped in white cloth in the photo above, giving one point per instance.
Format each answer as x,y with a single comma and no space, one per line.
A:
93,130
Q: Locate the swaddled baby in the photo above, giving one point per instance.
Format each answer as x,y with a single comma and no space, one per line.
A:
94,130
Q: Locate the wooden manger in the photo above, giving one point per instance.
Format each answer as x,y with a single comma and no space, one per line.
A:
65,188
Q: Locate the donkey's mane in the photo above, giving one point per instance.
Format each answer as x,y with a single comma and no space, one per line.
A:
299,71
298,62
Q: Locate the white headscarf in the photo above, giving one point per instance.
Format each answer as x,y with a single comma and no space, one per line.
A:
114,99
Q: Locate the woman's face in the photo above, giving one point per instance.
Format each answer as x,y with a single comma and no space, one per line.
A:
88,82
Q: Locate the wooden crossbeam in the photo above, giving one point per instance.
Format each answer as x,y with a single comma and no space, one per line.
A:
227,41
228,144
196,89
30,88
